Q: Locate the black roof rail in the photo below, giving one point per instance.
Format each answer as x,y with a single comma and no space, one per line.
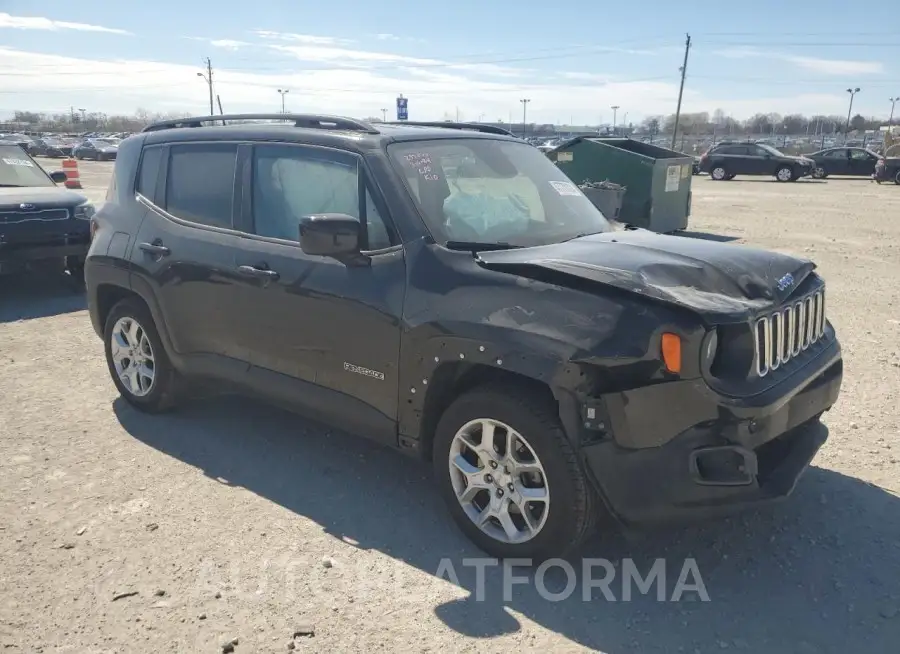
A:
312,121
476,127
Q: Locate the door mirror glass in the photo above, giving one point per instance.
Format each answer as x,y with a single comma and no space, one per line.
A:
58,176
333,235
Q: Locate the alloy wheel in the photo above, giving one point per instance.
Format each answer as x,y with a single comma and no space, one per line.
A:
132,356
499,481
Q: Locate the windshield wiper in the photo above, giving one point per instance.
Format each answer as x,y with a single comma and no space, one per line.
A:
11,186
476,246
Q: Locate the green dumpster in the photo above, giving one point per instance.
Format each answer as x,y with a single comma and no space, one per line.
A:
658,179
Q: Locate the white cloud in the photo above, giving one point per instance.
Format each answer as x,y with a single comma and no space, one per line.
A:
350,58
815,64
47,24
307,39
838,66
228,44
387,37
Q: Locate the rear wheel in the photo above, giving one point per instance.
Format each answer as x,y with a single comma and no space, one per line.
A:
137,360
819,173
897,177
509,475
718,173
785,174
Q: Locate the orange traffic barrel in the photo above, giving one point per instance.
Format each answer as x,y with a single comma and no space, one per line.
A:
73,179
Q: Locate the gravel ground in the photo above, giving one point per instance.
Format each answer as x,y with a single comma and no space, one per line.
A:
231,520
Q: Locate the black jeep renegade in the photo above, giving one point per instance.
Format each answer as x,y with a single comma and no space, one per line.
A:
451,293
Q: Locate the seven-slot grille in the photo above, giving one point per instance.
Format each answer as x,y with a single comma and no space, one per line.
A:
782,335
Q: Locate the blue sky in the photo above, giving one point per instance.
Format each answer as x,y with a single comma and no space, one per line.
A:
572,58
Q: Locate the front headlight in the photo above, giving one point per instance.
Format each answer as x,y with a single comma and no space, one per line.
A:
709,349
85,211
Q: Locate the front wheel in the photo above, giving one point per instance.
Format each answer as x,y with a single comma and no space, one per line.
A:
509,475
819,173
785,174
137,361
718,173
897,177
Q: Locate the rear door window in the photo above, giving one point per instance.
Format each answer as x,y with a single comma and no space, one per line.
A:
200,183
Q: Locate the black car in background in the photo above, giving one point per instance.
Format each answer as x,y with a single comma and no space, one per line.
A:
96,149
726,160
38,220
50,147
857,162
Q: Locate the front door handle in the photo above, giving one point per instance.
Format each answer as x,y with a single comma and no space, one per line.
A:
156,249
260,273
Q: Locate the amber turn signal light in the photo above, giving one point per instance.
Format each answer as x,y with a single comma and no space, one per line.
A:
671,352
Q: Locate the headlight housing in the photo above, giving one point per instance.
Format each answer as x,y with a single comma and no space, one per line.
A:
85,211
709,349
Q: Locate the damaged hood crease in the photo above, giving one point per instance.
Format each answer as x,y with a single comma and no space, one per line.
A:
717,280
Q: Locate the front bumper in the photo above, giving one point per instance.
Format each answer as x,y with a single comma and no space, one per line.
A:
726,454
17,254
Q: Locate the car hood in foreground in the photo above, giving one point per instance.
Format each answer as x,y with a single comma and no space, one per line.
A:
723,283
42,197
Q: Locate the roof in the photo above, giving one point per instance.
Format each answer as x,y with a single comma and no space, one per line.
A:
335,131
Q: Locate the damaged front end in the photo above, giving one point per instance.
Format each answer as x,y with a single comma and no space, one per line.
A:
735,424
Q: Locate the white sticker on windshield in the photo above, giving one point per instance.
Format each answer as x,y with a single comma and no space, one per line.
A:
18,162
565,188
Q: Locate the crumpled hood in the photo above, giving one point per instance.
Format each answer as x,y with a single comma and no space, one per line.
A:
42,197
722,282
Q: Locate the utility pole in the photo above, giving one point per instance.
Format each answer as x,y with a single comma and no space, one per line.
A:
524,102
384,115
893,102
852,93
687,49
208,76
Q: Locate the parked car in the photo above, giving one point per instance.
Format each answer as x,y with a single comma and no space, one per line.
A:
96,149
38,219
452,294
858,162
726,160
53,148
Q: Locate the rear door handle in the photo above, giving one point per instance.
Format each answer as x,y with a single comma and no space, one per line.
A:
260,273
156,249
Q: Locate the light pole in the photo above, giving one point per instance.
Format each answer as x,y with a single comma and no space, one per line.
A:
852,93
524,102
282,93
615,109
384,115
893,102
209,82
83,116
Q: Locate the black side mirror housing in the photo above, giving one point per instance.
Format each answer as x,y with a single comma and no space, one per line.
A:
334,235
59,176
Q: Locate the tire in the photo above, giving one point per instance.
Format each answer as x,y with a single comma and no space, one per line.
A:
785,174
569,513
819,173
897,177
718,173
730,177
162,393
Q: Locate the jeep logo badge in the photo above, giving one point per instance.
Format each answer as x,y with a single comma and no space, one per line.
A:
27,207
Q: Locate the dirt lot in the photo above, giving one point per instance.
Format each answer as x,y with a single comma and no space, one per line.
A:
126,533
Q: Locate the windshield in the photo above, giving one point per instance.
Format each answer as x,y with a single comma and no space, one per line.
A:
494,192
18,169
104,142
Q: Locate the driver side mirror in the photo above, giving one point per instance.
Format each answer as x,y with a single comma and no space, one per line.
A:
59,176
334,235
